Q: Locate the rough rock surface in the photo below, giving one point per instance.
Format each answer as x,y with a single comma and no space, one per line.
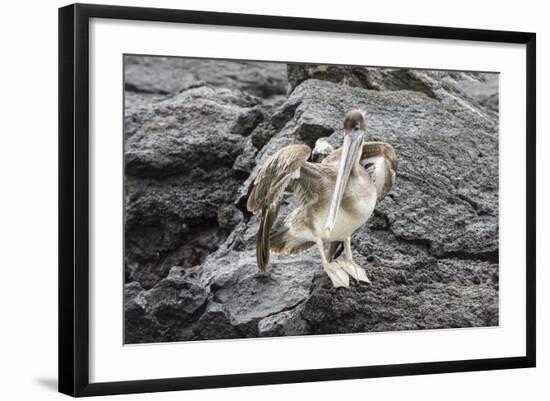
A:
179,154
168,75
192,152
188,149
473,90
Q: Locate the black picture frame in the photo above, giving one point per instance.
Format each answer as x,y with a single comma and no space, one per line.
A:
74,192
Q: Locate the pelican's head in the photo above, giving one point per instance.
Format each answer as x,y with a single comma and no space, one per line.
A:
354,132
355,120
321,150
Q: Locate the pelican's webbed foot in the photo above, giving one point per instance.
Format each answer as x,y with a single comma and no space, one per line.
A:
336,274
350,267
358,273
333,269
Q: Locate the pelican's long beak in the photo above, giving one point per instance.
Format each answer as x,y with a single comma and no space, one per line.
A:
351,152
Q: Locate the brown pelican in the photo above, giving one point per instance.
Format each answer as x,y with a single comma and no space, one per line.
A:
337,197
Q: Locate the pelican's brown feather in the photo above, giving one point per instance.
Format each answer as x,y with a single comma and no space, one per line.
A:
382,157
285,171
282,242
274,176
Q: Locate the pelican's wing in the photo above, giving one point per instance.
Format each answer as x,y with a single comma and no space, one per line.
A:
379,160
276,175
288,170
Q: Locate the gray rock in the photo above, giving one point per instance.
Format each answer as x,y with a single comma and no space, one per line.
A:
174,222
399,300
286,323
179,158
475,90
175,297
214,324
164,312
164,75
201,127
246,161
430,249
387,79
249,295
344,75
138,327
229,216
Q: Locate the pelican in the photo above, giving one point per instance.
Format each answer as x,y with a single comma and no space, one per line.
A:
337,196
322,149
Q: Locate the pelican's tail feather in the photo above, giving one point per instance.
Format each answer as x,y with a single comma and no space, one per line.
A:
269,215
285,242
